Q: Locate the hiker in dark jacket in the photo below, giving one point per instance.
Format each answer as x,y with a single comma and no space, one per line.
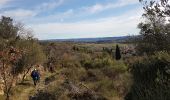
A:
35,76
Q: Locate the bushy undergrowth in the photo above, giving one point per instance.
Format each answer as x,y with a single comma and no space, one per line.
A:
103,75
151,78
107,78
97,70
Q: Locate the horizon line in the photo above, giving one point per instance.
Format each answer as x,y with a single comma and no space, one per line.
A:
85,37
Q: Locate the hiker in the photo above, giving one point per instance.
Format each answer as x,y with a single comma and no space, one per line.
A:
35,76
51,67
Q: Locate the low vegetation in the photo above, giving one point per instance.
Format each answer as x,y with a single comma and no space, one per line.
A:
137,70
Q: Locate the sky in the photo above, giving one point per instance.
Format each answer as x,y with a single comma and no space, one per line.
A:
62,19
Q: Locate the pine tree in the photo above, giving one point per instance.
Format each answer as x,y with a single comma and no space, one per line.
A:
117,53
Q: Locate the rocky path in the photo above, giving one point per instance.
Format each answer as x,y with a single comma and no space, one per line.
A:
30,90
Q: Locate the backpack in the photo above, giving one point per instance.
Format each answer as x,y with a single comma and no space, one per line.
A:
35,75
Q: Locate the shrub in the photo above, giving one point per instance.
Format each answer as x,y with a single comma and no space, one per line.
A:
73,73
117,53
151,78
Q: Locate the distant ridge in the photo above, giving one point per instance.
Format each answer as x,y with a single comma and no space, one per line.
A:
100,39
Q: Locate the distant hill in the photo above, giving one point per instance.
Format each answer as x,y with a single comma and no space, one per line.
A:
98,40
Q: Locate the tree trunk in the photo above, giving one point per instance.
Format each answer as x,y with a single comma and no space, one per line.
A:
23,78
5,81
7,96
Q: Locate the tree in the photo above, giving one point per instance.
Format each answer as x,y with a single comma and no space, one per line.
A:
33,54
9,55
154,31
150,73
9,59
7,28
117,53
18,53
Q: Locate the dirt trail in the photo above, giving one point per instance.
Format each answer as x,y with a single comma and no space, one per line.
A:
29,90
25,94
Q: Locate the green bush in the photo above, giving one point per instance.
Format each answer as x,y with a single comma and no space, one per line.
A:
73,73
151,78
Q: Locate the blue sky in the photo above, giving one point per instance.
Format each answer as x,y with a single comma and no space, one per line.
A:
58,19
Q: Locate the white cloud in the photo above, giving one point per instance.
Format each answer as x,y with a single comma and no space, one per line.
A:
2,2
49,5
101,7
19,13
110,26
54,17
83,11
23,14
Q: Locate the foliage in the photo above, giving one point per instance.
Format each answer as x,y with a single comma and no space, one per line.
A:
33,55
151,78
18,52
33,52
117,53
9,59
97,69
154,31
91,64
7,28
109,51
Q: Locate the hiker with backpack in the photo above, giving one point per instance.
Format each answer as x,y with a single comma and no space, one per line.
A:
35,76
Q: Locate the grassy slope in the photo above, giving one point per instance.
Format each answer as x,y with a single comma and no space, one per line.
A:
22,92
